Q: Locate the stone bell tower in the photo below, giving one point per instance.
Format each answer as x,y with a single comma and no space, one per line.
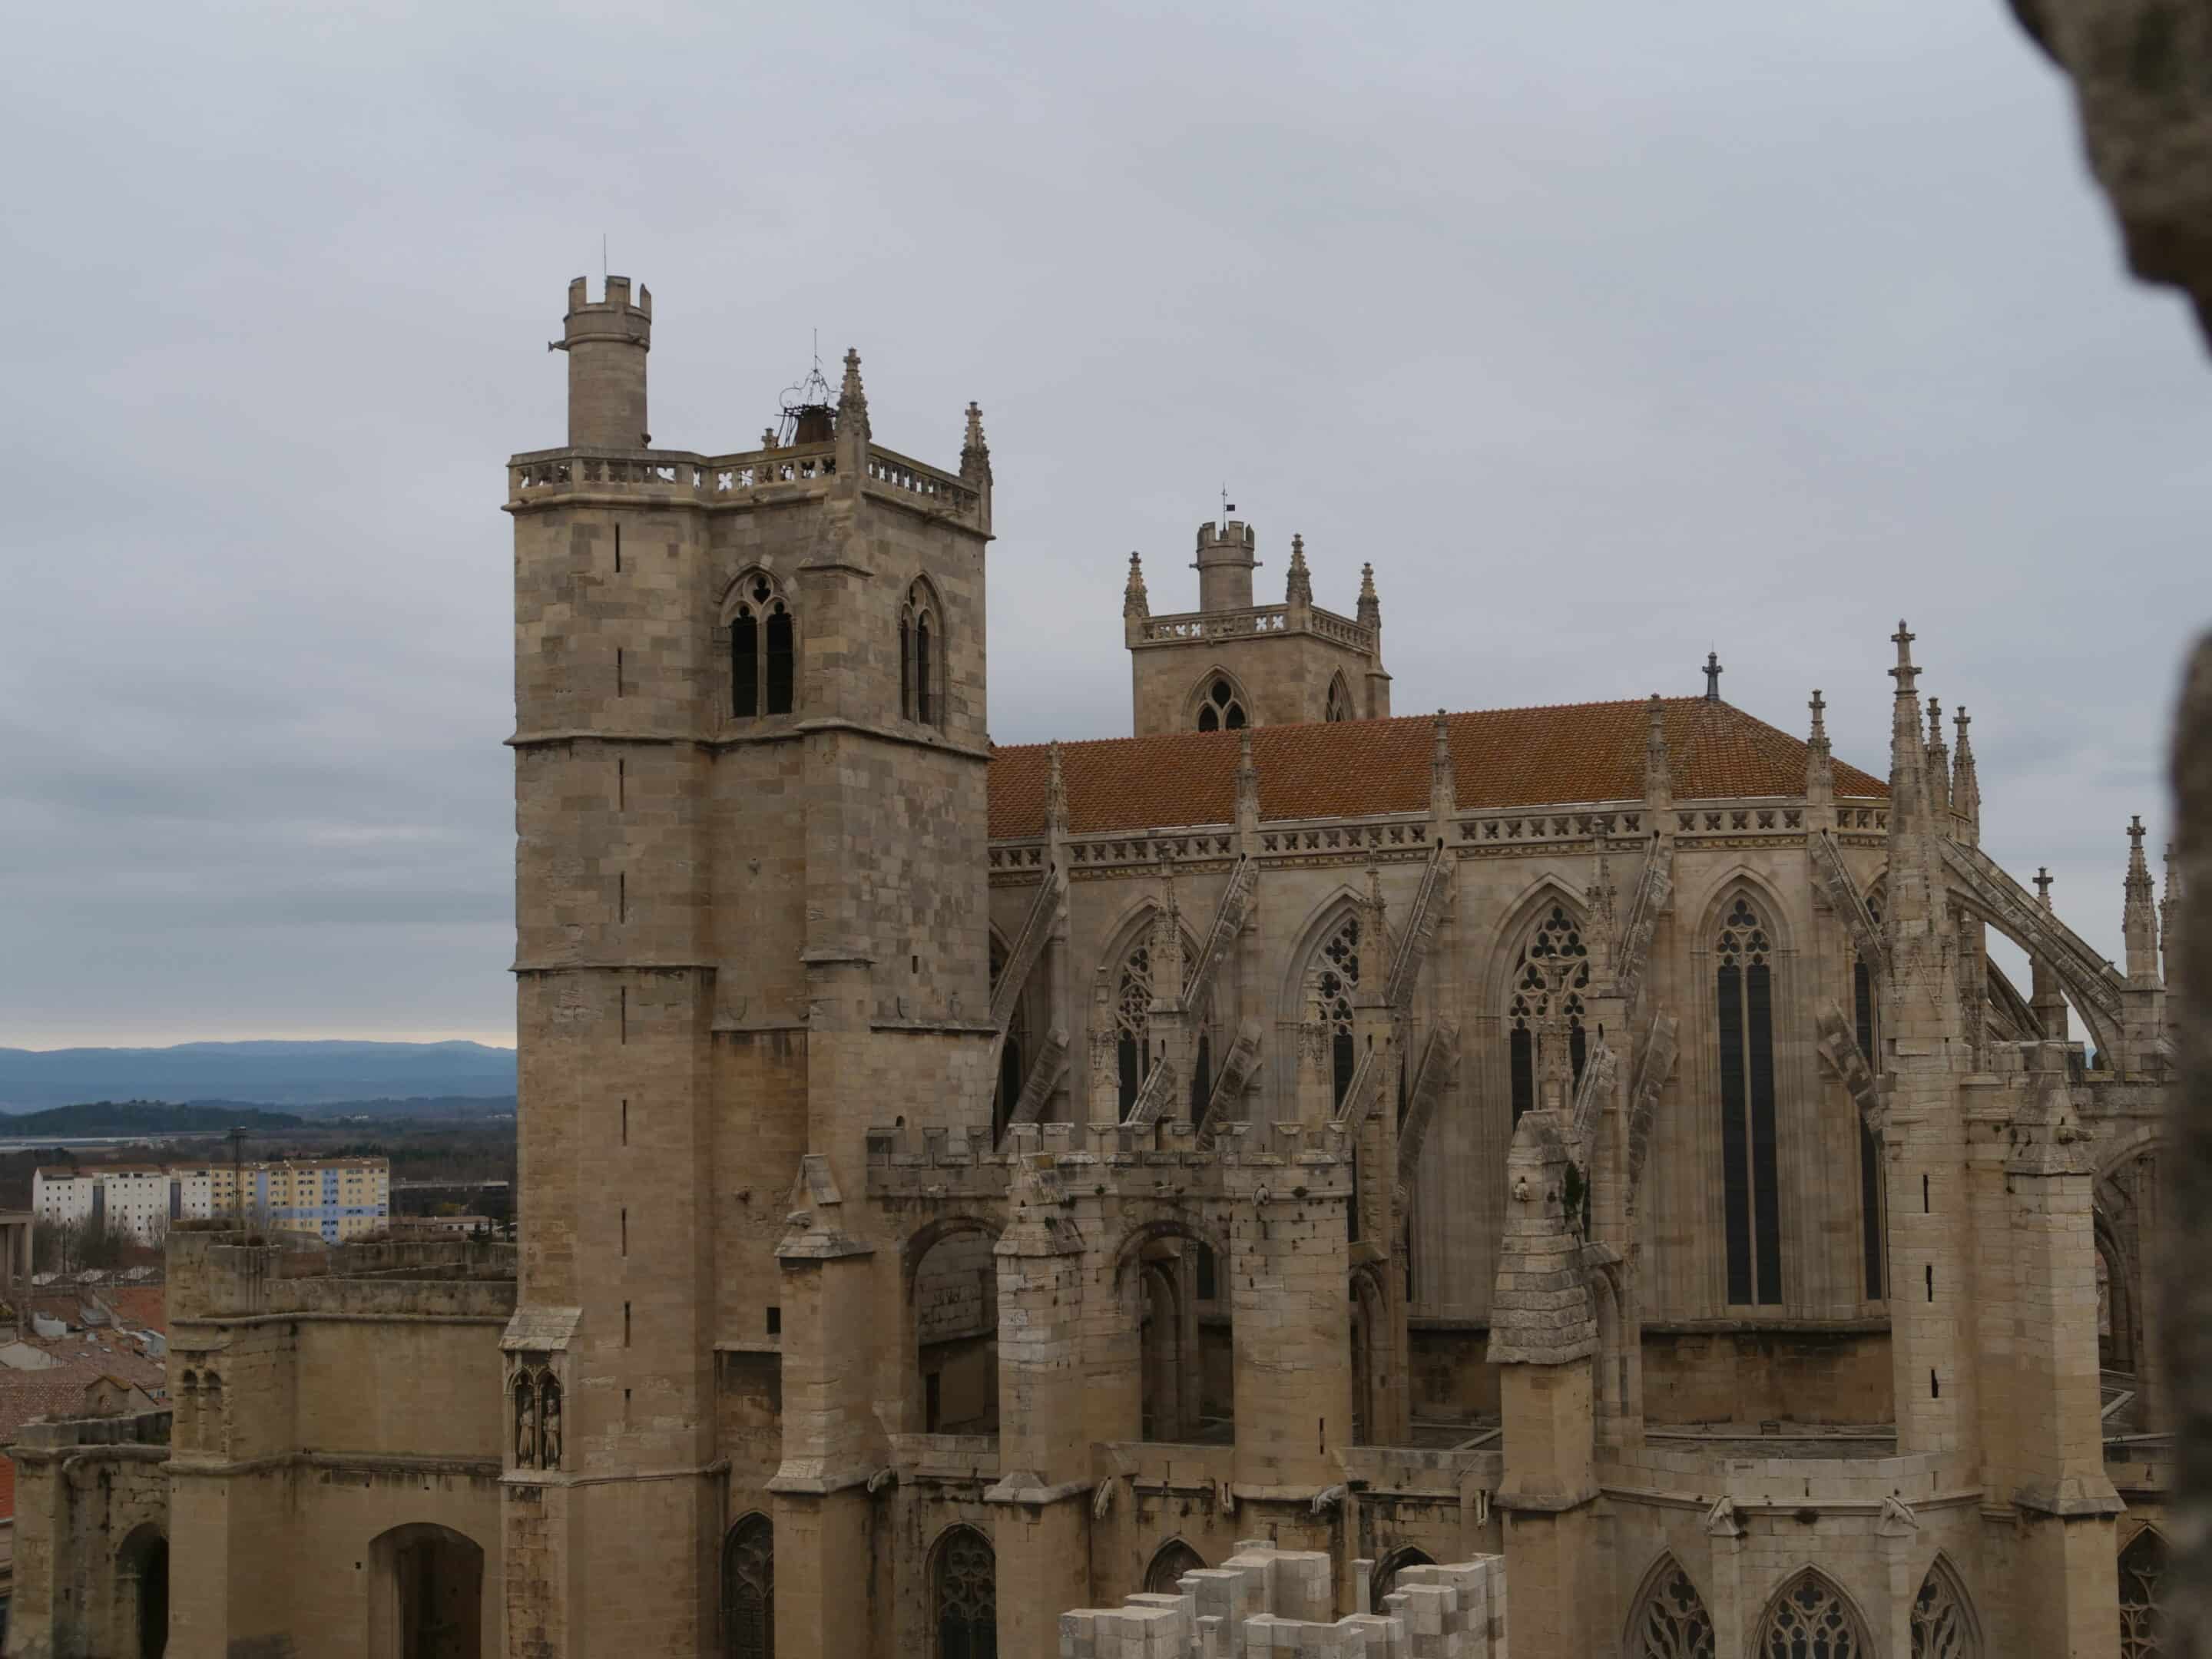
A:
751,863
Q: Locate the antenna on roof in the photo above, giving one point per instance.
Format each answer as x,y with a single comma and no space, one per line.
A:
1228,506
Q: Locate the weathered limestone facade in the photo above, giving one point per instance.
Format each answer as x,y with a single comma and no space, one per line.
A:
1240,1165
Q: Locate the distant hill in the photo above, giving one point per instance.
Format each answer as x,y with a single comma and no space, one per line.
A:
147,1117
297,1074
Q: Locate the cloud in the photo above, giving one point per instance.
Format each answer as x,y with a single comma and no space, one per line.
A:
1607,338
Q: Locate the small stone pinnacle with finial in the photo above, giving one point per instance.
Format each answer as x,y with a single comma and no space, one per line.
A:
1713,672
1934,724
1370,611
2043,884
1904,673
1819,707
974,454
1134,601
1298,589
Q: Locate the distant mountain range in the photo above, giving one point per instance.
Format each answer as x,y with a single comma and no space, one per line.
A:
354,1075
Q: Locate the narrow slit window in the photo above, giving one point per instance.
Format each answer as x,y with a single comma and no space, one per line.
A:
782,661
745,664
1750,1175
921,671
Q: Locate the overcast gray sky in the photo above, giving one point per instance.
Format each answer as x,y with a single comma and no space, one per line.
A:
1608,332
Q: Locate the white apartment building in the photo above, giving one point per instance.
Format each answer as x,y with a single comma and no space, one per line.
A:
336,1199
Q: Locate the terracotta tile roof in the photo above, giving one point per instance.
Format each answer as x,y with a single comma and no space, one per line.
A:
140,1305
7,1489
1501,758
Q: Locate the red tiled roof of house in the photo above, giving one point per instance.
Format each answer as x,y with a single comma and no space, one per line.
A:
143,1305
1501,758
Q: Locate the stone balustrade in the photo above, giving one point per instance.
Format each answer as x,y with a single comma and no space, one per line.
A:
1183,627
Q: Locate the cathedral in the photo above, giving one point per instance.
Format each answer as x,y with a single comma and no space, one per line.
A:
1295,1177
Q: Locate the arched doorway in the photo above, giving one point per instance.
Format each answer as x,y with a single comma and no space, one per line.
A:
952,1291
964,1595
143,1568
748,1589
427,1595
1388,1569
1175,1559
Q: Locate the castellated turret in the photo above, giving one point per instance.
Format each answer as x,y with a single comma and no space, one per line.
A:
606,342
1224,565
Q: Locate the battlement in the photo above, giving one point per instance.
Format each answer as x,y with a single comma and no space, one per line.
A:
1236,533
1286,1161
617,299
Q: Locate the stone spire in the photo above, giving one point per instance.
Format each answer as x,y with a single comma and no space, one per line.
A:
1247,787
1658,771
852,401
1370,608
1133,602
974,454
2138,915
1819,763
1965,784
2046,997
1056,799
1908,754
1938,758
1298,590
1713,672
1444,777
2169,913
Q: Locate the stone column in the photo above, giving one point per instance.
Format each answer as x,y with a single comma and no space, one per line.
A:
2070,1584
1041,1533
1288,1270
1542,1334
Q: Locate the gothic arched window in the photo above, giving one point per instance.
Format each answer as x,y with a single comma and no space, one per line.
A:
922,650
1340,984
1749,1175
965,1596
1873,1224
1175,1559
1671,1622
1132,1023
1387,1570
1013,1054
1340,701
2143,1621
1221,710
1811,1620
1557,941
763,650
1941,1628
748,1589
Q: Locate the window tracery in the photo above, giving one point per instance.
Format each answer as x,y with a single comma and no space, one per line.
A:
763,650
1339,963
2143,1621
967,1597
1557,939
1940,1626
1340,701
922,649
1873,1222
748,1589
1672,1623
1744,986
1810,1621
1221,709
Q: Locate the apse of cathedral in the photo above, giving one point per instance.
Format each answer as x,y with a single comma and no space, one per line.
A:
1296,1176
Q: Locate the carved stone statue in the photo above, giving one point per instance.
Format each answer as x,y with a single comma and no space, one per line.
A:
525,1428
550,1433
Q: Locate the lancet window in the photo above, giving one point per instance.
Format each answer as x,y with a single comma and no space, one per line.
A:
763,650
1940,1629
2143,1621
1175,1559
1811,1620
1340,986
1132,1023
1749,1174
1220,709
922,651
748,1589
1872,1223
1672,1622
966,1596
1013,1053
1340,701
1555,948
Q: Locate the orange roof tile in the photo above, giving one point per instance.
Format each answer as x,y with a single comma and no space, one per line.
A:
1501,758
